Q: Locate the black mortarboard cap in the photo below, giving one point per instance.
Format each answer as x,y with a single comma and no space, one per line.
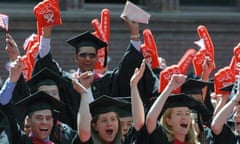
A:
104,104
88,39
193,86
45,77
184,100
126,109
180,100
39,101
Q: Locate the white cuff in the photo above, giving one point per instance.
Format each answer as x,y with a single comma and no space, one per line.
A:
44,47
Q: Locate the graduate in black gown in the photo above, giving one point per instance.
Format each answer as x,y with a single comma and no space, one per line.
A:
10,132
39,108
52,83
98,122
225,124
113,83
173,127
55,85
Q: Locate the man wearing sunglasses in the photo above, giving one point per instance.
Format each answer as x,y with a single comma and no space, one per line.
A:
114,83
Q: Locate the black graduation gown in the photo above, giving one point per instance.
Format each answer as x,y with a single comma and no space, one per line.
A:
137,137
61,134
226,136
113,83
64,134
117,82
142,137
68,114
10,128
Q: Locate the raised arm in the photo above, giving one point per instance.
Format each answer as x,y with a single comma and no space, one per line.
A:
45,40
137,104
221,117
84,115
155,110
11,48
208,67
15,71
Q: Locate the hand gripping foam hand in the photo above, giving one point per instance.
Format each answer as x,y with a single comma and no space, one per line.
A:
4,19
208,44
222,78
186,61
165,77
149,49
47,13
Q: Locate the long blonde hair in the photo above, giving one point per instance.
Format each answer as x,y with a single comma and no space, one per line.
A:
190,137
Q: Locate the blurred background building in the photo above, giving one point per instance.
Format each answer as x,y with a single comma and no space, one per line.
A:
173,24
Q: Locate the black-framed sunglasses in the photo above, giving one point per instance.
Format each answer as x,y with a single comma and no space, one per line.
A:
90,55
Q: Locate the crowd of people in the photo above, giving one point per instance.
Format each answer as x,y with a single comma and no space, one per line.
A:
119,106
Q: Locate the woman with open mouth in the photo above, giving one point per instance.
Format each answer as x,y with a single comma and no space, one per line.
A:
98,122
168,120
226,123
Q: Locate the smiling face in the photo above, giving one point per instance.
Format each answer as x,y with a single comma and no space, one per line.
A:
41,123
86,58
179,120
107,126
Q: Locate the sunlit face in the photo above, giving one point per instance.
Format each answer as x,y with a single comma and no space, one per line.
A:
180,120
41,123
107,126
52,90
125,122
86,58
236,118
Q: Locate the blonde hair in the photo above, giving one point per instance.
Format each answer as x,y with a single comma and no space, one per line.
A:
190,137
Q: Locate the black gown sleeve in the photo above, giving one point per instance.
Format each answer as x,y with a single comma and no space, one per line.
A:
117,82
158,136
10,126
48,62
137,137
226,136
67,94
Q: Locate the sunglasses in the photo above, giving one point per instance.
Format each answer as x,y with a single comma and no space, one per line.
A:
90,55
